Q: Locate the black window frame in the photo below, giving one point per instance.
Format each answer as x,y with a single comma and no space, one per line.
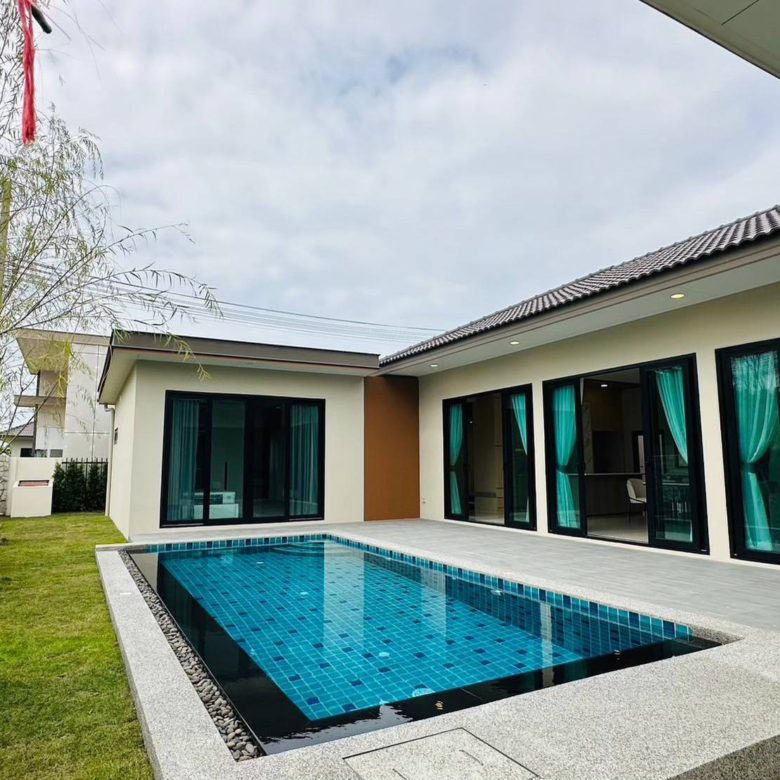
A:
700,544
251,403
730,442
504,393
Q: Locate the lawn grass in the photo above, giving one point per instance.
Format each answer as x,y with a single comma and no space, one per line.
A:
65,705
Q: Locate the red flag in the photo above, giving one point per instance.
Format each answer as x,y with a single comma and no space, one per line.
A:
28,67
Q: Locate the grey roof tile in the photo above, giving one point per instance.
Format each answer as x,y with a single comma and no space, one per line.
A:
696,248
24,429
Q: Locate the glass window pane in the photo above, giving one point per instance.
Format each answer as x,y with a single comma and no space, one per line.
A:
304,460
519,460
670,410
567,468
186,452
757,414
269,459
227,459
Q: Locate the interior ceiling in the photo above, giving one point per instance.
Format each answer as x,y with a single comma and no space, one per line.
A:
749,28
628,375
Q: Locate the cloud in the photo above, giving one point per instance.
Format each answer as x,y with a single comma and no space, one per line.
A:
414,163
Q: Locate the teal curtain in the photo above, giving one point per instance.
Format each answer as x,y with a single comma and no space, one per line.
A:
756,396
671,388
304,459
519,408
182,460
456,444
564,403
520,413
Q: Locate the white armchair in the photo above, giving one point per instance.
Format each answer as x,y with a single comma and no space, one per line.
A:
637,491
637,496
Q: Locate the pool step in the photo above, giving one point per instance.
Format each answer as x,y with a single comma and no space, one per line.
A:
313,549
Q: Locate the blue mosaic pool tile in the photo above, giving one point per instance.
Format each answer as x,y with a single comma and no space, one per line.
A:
653,627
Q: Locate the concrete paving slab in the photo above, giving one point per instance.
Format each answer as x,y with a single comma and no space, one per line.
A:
712,714
455,753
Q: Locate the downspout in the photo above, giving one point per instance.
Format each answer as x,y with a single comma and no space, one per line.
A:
109,468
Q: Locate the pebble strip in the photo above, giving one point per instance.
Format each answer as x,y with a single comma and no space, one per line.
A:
239,741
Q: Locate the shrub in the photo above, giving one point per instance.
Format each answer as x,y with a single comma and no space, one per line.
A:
58,489
75,487
78,488
96,487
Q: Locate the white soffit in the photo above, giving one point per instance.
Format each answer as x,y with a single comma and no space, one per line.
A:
748,28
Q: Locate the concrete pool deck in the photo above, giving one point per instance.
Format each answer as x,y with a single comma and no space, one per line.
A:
713,714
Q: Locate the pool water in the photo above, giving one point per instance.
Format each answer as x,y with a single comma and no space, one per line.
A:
322,632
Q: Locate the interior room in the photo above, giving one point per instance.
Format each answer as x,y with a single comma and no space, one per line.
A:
486,456
614,459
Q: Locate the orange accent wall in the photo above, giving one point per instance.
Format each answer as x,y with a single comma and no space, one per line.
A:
392,448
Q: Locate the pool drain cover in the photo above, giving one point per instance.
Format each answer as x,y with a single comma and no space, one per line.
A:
449,754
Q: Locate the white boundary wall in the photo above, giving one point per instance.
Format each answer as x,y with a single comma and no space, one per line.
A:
30,501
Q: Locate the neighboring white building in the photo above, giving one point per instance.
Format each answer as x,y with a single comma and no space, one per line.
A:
68,421
19,440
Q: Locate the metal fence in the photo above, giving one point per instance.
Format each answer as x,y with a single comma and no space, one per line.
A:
80,485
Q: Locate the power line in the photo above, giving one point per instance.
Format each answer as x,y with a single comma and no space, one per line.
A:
300,314
274,319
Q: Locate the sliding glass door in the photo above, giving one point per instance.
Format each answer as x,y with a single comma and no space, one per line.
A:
456,492
565,464
519,493
672,457
187,421
226,486
750,412
305,460
242,459
488,458
624,456
268,458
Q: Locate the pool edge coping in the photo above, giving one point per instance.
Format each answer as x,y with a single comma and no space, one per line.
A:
166,742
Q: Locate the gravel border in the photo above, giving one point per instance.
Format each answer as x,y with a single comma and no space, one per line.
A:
661,701
240,742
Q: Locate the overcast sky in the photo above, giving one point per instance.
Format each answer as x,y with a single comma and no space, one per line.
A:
411,162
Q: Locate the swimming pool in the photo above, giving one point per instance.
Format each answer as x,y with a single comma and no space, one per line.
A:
314,637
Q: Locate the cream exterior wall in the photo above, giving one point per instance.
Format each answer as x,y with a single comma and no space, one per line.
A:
120,480
136,469
700,330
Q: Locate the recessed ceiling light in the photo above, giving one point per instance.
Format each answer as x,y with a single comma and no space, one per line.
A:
677,296
514,343
604,384
434,365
